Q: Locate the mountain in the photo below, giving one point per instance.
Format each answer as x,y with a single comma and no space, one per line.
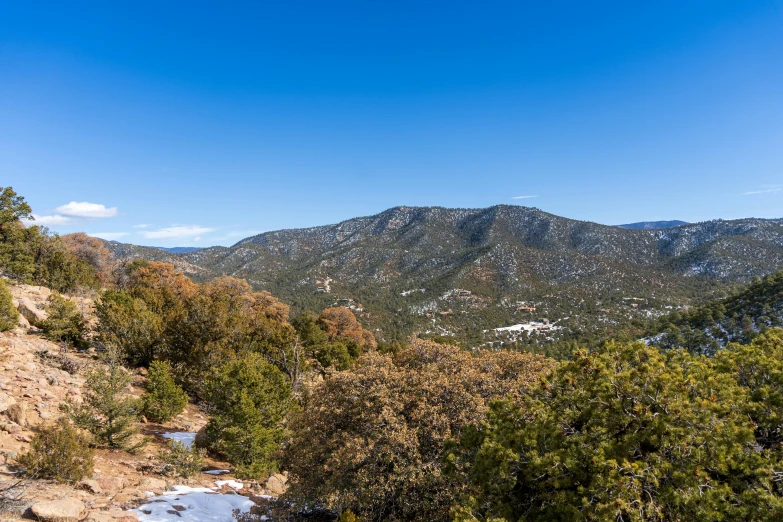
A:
178,250
653,225
462,271
736,318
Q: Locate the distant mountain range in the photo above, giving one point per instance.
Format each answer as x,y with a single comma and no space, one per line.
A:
414,268
653,225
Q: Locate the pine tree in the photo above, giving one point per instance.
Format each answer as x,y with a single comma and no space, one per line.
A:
108,411
164,399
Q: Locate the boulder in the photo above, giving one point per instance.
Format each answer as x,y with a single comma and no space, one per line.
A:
156,485
91,486
111,484
6,401
30,312
18,413
63,510
201,438
275,485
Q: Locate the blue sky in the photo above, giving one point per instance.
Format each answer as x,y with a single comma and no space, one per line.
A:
199,123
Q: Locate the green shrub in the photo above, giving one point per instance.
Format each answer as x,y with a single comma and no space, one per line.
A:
349,516
624,433
9,316
108,411
164,399
180,460
249,399
64,321
60,452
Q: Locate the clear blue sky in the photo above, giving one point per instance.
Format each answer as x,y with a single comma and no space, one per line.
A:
196,123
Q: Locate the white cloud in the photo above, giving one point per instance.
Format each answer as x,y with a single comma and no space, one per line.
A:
109,236
143,225
524,197
767,191
86,210
48,221
176,231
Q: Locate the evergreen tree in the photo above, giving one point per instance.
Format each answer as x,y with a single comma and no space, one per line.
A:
64,321
108,410
164,399
249,399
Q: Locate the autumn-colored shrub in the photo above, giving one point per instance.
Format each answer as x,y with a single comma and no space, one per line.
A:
59,452
164,399
9,316
371,439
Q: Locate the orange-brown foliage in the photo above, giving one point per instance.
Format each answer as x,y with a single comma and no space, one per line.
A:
339,322
371,439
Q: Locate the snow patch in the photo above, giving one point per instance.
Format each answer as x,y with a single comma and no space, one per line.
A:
186,438
187,504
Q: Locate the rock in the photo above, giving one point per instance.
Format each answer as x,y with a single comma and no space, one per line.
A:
91,486
111,484
64,510
18,413
30,311
153,484
127,496
275,486
111,516
6,401
11,427
201,438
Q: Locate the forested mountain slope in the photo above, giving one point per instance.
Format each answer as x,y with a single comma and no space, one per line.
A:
737,318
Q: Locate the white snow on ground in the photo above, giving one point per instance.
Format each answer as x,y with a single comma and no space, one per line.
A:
186,504
528,327
230,483
184,437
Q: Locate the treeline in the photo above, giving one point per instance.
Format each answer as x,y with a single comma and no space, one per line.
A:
737,318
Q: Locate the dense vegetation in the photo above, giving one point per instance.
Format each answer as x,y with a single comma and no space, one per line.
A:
739,317
630,433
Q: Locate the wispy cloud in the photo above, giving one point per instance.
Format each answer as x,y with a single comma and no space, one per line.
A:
524,197
109,236
48,221
86,210
765,191
143,225
177,232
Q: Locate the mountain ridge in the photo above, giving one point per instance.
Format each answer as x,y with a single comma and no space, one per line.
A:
500,254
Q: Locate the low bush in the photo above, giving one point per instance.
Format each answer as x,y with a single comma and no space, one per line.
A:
180,460
59,452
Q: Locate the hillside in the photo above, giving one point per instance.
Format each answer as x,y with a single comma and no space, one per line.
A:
462,271
736,318
653,225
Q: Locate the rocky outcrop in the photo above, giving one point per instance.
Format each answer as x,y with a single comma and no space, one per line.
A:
63,510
